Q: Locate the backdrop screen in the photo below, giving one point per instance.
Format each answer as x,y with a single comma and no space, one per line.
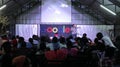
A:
51,30
56,11
27,30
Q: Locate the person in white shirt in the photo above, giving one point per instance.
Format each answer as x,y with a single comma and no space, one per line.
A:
108,41
109,46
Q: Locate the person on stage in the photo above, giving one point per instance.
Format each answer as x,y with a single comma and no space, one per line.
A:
74,30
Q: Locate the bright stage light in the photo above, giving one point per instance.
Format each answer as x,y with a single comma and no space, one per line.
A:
2,7
64,5
108,10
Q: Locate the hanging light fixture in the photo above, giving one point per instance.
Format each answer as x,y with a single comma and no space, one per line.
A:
108,10
2,7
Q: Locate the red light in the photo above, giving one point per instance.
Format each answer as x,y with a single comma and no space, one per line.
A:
49,29
67,30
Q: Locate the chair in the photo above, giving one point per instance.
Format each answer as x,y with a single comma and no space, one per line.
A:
19,61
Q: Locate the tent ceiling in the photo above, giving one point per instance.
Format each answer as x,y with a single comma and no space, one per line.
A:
16,6
94,5
113,5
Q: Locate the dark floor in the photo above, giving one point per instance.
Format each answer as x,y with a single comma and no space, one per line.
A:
117,65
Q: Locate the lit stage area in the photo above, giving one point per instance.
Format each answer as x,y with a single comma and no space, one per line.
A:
58,17
27,30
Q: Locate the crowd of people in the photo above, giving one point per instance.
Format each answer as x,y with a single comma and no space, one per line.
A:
43,50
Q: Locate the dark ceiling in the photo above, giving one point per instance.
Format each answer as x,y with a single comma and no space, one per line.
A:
16,7
93,8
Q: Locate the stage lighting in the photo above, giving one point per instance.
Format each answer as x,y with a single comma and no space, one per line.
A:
2,7
64,5
108,10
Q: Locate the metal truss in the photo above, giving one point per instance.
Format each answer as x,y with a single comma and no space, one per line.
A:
26,7
2,2
94,13
113,5
23,7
